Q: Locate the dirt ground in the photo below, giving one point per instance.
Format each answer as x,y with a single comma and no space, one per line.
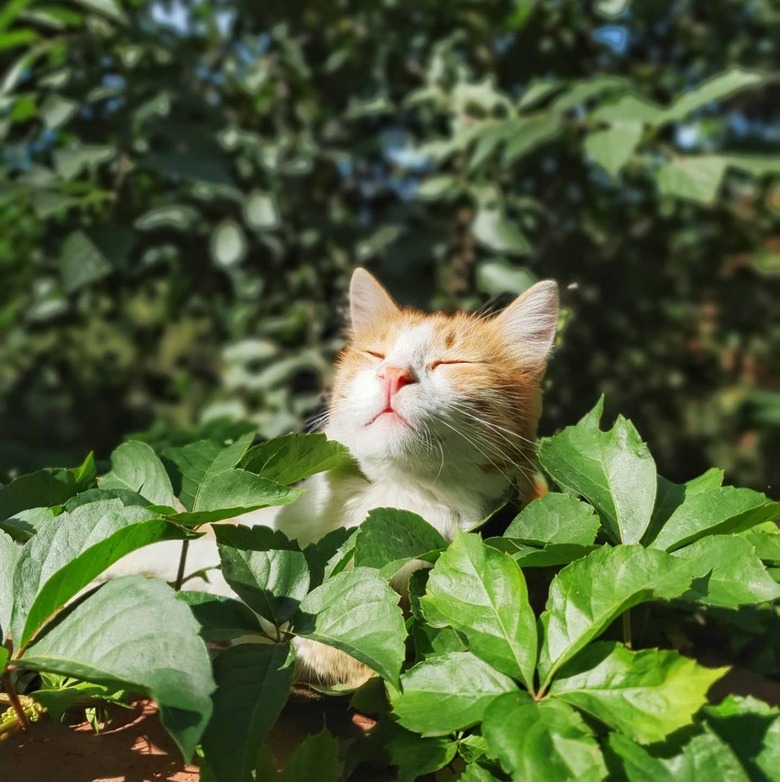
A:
136,749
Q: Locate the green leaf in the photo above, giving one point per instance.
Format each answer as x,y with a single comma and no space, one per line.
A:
415,755
220,618
613,470
528,133
765,540
265,569
628,108
732,573
62,558
670,496
722,86
198,462
236,491
582,91
481,593
71,161
555,518
293,457
253,682
545,740
260,211
716,511
612,148
550,555
45,488
751,728
356,611
330,554
135,467
135,633
9,553
692,178
125,496
109,8
438,187
446,693
474,772
588,595
61,693
493,229
704,756
56,110
496,276
81,262
755,165
647,694
389,538
316,759
176,216
538,90
22,526
228,244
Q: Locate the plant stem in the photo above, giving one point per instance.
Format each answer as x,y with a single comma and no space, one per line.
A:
8,686
627,629
182,562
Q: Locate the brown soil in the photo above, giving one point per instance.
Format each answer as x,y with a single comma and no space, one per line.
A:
135,748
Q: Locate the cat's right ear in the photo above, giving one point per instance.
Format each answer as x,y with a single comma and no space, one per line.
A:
369,302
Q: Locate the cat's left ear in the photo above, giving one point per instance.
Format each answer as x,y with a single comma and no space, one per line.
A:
529,323
369,302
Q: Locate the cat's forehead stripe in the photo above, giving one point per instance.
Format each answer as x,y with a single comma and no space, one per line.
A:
413,342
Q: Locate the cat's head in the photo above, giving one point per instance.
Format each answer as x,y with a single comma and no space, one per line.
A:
442,397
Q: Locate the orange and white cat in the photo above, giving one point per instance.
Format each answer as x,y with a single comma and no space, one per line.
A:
439,411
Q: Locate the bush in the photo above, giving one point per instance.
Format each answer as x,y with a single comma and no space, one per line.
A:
546,652
185,188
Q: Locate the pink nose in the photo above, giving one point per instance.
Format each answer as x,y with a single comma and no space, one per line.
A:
395,378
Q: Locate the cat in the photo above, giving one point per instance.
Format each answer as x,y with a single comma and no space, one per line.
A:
439,411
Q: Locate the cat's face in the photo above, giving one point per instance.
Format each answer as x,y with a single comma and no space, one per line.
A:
438,397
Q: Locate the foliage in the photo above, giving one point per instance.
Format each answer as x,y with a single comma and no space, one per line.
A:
185,186
494,672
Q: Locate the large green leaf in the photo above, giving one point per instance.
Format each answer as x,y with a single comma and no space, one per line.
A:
135,467
545,740
589,594
446,693
751,728
704,756
551,555
669,497
134,632
695,178
45,488
293,457
527,133
390,537
612,148
647,694
481,593
81,262
220,618
719,87
493,229
9,553
253,682
62,558
731,572
199,462
613,470
415,755
356,611
316,759
266,570
716,511
555,518
25,523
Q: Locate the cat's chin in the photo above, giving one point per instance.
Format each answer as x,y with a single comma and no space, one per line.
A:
389,418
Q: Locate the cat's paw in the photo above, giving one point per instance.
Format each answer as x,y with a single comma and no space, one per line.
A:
323,665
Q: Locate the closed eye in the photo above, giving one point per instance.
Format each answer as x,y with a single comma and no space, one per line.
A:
374,354
449,362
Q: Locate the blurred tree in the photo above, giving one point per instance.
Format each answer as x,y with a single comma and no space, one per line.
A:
185,187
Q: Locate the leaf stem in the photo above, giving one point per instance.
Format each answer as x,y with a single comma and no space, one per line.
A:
185,544
627,628
10,691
